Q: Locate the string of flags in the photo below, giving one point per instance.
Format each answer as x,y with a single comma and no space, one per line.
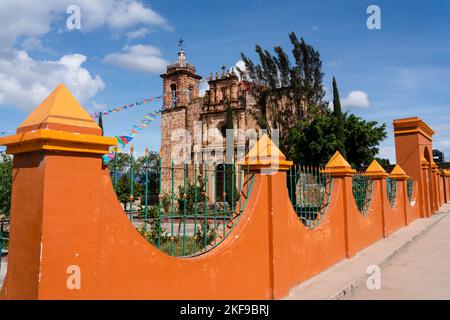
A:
125,107
136,129
96,115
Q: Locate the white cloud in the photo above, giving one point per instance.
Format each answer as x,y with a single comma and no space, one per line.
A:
144,58
96,106
356,99
25,82
36,18
33,43
137,34
129,13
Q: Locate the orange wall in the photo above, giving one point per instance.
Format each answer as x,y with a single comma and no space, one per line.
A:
412,207
66,217
395,217
83,224
300,252
364,230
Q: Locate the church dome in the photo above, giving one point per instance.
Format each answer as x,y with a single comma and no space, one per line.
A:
181,64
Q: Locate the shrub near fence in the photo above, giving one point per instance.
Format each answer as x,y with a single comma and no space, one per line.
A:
310,190
391,187
410,186
362,192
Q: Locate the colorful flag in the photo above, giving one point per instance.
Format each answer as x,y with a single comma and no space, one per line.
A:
125,139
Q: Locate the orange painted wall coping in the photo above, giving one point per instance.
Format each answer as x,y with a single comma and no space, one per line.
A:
413,125
44,139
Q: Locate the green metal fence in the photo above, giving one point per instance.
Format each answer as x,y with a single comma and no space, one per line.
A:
310,190
362,192
391,187
410,189
184,210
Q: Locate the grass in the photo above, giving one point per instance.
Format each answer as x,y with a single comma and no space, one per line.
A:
190,243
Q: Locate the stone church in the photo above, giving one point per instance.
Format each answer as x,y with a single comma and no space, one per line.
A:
185,109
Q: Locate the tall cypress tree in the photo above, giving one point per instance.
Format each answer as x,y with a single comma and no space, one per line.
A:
339,119
100,122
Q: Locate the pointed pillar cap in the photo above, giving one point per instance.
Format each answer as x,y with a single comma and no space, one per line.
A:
447,173
266,156
338,166
59,123
398,173
376,171
60,111
434,166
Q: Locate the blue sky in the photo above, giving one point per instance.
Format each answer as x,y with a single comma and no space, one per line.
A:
117,56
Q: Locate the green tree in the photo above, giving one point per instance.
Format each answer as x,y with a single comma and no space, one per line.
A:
153,172
362,139
100,122
385,163
191,200
6,165
275,77
123,190
338,119
313,143
139,168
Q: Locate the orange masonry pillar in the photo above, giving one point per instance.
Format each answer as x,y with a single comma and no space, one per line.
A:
51,145
379,175
268,161
424,189
339,168
447,185
401,177
413,149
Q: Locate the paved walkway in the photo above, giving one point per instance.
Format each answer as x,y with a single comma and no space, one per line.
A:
414,262
421,271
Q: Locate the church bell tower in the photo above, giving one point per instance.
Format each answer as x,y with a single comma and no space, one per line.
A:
181,92
180,82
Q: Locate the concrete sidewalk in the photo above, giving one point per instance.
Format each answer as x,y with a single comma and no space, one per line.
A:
421,271
349,276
